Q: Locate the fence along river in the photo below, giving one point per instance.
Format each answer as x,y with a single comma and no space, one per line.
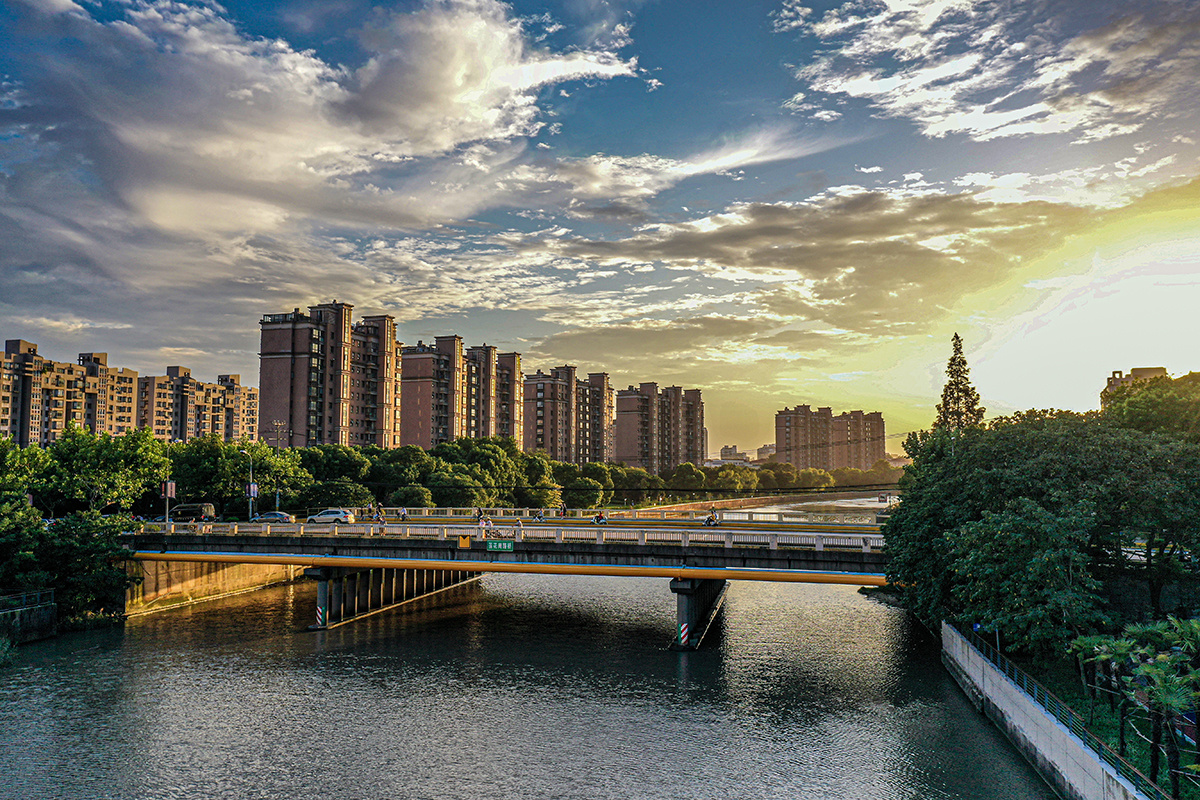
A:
517,686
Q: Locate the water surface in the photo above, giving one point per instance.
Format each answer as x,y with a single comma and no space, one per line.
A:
519,686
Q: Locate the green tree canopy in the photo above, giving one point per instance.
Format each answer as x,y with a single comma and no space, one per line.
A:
334,462
583,493
102,470
1160,405
1142,493
411,497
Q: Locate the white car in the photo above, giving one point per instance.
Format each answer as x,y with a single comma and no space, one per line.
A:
343,515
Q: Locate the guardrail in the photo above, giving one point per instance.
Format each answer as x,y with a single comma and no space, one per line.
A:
27,600
597,534
619,514
1065,715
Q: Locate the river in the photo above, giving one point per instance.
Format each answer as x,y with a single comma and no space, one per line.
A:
518,686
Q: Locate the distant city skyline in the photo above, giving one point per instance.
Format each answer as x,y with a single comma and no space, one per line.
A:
780,202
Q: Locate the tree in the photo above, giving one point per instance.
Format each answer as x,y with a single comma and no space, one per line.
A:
1160,405
583,493
334,462
411,497
687,477
1024,571
960,402
20,466
77,555
207,468
336,494
101,470
450,488
601,474
1141,492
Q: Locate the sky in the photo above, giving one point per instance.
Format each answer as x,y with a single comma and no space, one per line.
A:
779,203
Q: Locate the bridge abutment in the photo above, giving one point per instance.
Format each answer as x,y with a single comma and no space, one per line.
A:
697,602
345,594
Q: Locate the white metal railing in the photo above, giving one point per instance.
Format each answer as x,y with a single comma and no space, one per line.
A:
586,514
597,534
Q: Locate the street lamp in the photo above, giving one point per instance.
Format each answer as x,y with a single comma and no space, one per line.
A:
251,489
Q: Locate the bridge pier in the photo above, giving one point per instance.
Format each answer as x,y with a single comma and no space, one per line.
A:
346,593
697,602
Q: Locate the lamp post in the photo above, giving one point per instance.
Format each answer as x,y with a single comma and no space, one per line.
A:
251,489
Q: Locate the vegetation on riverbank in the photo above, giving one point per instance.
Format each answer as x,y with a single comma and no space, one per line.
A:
1076,539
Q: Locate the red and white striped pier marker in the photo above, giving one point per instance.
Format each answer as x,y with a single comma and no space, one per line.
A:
683,633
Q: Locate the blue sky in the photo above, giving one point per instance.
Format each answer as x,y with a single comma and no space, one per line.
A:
777,202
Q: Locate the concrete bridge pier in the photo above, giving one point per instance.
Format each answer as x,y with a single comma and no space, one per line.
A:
697,602
347,593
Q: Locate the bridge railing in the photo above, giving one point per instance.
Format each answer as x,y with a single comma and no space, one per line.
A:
27,600
392,514
598,534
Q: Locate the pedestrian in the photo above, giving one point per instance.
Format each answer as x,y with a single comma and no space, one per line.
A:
403,513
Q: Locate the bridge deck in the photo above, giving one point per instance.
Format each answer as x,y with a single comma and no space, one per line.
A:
472,565
653,551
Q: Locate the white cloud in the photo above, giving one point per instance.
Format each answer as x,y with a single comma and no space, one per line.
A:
991,71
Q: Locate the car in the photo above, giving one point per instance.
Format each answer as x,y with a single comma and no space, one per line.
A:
194,512
274,517
329,515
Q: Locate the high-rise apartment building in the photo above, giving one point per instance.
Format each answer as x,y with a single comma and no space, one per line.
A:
114,407
550,418
177,407
659,430
857,439
803,437
434,396
595,418
510,397
324,379
819,440
682,437
39,397
570,418
450,392
636,434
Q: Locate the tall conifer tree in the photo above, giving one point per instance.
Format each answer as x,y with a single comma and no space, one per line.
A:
960,402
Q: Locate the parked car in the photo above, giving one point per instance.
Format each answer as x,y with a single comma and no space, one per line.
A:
331,515
274,518
194,512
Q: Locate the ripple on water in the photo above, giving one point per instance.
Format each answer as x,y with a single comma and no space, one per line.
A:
519,687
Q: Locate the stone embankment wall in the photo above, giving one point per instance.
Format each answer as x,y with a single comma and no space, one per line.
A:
169,584
30,623
1073,769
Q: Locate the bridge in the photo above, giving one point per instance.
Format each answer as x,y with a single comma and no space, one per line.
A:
365,567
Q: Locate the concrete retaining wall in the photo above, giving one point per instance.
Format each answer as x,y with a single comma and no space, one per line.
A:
1073,769
169,584
30,623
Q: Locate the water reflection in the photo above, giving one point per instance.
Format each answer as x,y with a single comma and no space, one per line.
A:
516,687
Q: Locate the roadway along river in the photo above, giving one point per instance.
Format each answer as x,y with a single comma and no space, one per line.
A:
517,687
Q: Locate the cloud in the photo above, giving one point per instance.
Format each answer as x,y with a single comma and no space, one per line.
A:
196,128
995,70
875,263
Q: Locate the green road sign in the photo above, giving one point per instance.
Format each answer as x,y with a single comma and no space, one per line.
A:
501,546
